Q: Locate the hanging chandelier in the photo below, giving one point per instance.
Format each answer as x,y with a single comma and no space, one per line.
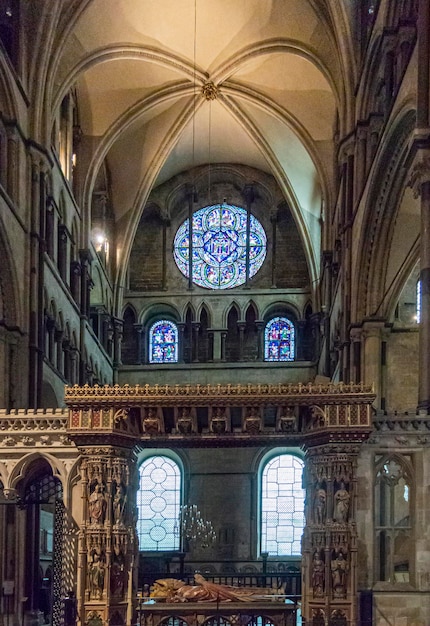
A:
194,529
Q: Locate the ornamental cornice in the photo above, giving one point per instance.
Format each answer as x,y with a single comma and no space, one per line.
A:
168,395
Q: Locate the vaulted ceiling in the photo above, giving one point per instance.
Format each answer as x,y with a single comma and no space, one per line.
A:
281,77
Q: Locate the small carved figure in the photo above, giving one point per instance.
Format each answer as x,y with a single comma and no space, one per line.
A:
339,568
320,505
117,573
96,577
341,504
119,501
97,505
318,575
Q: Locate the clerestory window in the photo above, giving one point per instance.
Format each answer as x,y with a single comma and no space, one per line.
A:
279,340
163,342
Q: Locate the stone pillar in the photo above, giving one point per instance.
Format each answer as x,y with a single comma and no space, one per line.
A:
181,331
85,258
223,341
50,329
260,339
372,349
63,251
360,162
300,352
118,327
35,284
195,342
12,164
59,364
138,328
274,222
241,326
75,281
420,182
329,557
108,546
355,354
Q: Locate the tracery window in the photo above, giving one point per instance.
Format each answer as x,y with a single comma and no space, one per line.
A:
163,342
393,524
158,504
227,244
282,505
279,340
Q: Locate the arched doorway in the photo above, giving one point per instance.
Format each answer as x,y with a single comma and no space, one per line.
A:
41,497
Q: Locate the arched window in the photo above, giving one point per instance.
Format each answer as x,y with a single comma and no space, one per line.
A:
158,504
279,342
393,525
163,342
282,505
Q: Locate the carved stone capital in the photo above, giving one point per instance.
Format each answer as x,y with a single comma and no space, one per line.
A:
420,172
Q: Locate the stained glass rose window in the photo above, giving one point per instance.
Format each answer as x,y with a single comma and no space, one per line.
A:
221,236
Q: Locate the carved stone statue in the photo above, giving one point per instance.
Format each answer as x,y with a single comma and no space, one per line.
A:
118,504
97,505
96,577
173,590
320,505
339,567
341,504
117,573
318,575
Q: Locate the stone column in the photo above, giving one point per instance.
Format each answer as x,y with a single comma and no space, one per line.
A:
274,222
241,326
260,339
50,329
138,328
12,164
59,364
118,327
195,342
223,340
108,546
372,346
329,557
355,354
181,331
420,182
300,352
63,250
85,258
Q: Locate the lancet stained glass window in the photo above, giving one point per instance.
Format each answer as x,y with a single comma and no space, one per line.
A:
282,506
221,237
279,341
163,342
158,504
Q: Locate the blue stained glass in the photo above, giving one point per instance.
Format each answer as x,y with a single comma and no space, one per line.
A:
279,341
219,246
163,342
